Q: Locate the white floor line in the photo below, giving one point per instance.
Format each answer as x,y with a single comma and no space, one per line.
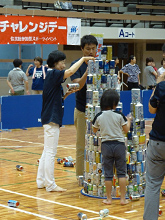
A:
58,203
29,213
131,211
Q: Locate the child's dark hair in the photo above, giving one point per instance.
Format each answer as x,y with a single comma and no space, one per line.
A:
109,99
17,62
39,59
149,59
88,39
54,57
162,61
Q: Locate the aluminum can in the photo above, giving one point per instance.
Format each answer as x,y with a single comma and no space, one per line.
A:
89,96
100,191
106,67
102,180
81,216
136,147
68,164
133,156
118,191
94,81
90,189
89,178
104,213
115,81
85,187
101,64
138,167
98,83
139,111
87,166
103,81
94,167
109,52
137,127
104,191
112,71
130,189
112,64
99,168
59,161
19,167
109,81
95,190
140,189
96,67
143,165
142,139
119,108
134,197
97,157
73,86
135,190
100,93
95,98
95,140
97,109
90,67
81,180
90,79
160,212
139,156
135,93
104,52
13,203
135,139
128,157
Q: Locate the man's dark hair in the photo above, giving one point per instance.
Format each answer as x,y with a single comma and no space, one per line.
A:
163,48
54,57
149,59
39,59
162,61
131,58
88,39
17,62
109,99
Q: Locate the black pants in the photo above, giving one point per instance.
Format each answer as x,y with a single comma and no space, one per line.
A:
132,85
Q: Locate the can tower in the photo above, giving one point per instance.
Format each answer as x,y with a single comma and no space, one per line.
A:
101,76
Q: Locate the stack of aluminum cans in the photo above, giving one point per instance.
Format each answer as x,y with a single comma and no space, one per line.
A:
136,148
101,76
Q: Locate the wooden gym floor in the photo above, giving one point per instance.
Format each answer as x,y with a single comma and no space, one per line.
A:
24,147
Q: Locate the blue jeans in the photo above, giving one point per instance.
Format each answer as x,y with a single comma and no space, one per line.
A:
155,172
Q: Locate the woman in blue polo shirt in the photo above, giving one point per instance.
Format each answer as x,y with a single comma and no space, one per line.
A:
52,114
38,73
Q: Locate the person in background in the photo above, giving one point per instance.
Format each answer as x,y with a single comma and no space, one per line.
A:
52,114
16,79
88,46
116,65
155,68
112,124
38,73
163,50
155,160
132,71
162,69
150,74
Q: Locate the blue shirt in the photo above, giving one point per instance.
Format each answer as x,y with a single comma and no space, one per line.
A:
133,71
38,81
53,102
80,95
158,101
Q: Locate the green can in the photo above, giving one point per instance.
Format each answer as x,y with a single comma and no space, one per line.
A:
135,190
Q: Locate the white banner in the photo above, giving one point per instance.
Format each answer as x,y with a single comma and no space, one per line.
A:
73,31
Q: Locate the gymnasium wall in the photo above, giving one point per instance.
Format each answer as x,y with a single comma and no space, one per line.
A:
25,111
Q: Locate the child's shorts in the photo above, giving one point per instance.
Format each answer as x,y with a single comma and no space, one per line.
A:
113,153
